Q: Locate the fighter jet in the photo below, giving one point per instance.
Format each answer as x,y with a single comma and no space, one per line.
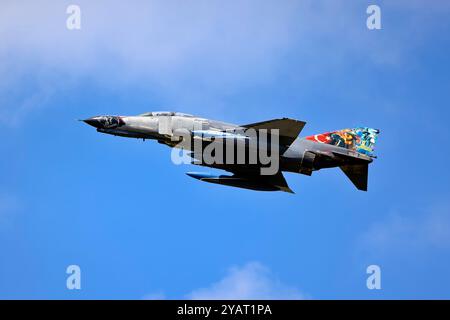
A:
238,148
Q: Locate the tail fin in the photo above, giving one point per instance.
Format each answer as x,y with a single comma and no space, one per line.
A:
360,139
358,174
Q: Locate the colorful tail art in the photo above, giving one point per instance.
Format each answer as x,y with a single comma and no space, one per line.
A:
361,139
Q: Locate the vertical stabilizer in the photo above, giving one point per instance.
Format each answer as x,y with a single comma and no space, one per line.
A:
361,139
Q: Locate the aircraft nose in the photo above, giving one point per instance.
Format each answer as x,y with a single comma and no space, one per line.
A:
95,122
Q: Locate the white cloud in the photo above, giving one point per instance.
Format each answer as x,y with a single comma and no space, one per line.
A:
411,231
190,52
154,296
251,281
172,46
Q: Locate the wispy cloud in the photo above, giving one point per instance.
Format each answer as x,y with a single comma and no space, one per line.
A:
154,296
183,49
407,230
168,46
250,281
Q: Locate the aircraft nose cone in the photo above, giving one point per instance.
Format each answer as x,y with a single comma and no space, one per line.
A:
96,123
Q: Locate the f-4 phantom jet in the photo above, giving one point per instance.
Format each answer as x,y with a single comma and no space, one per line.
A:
254,154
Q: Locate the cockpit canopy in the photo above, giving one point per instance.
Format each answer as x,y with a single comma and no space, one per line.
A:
164,113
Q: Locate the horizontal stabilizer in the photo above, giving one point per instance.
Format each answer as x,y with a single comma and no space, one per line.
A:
358,174
289,129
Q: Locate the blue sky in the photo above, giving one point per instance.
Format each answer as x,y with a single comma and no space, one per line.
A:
140,228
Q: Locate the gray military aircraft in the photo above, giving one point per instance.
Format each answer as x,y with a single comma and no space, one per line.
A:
349,149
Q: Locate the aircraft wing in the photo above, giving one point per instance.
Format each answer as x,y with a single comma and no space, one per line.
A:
289,129
275,182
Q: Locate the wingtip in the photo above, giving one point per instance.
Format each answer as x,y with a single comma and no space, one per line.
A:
286,189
